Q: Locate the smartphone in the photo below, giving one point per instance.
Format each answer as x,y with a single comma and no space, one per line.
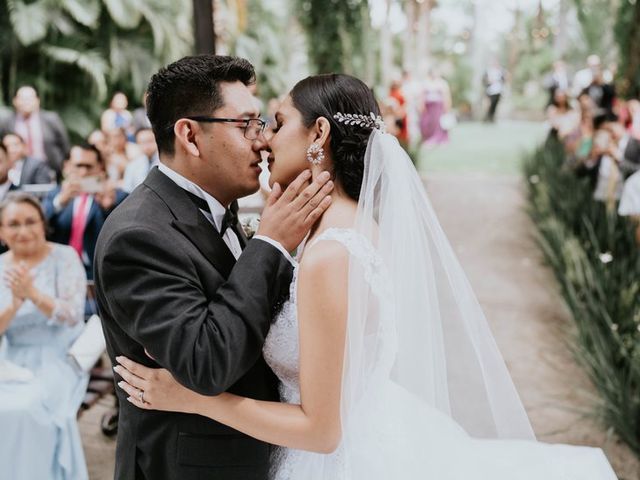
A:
91,184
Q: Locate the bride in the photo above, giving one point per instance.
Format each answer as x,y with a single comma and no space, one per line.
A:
387,366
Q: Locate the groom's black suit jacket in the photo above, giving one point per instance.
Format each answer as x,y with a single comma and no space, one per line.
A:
167,282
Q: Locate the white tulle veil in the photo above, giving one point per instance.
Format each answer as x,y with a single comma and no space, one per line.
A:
415,324
445,353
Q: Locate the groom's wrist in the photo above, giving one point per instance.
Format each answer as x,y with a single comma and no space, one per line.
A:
277,245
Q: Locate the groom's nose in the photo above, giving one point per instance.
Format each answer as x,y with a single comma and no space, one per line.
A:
261,144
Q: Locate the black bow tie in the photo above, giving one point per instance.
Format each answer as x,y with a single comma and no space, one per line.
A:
229,220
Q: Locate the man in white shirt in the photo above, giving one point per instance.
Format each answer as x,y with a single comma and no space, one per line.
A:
25,170
44,134
584,77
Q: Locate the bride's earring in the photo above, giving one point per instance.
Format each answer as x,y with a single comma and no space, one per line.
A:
315,154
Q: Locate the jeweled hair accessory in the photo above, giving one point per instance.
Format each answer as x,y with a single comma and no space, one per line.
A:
365,121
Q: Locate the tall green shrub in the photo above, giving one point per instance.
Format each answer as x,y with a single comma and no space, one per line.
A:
593,254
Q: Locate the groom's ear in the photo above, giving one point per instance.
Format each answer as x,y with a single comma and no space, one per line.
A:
322,130
185,132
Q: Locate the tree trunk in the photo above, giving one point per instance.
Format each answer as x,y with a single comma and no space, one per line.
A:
408,50
560,40
423,59
204,34
514,48
386,49
632,73
477,58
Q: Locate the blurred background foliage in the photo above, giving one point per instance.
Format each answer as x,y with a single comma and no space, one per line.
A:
78,52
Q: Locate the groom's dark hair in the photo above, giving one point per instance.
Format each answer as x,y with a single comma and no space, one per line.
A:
190,87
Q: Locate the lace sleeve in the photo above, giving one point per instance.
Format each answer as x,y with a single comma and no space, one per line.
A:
5,292
71,287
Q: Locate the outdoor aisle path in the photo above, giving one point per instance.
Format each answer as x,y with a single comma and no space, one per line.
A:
483,215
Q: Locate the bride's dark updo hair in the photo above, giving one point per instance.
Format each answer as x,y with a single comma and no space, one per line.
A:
324,96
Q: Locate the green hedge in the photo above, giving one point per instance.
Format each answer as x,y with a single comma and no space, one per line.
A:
593,254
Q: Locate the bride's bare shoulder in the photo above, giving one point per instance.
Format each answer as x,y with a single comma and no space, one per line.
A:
324,256
326,251
323,281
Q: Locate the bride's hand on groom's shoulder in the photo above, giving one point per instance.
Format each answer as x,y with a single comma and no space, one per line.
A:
289,215
153,388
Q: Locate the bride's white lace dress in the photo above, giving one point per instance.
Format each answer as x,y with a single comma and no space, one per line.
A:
396,436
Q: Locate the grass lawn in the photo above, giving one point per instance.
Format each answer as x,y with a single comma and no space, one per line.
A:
485,148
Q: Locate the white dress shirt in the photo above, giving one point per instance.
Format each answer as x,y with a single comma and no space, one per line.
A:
16,172
136,172
4,188
216,214
30,129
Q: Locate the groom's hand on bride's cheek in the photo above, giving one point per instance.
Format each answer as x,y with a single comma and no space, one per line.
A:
289,215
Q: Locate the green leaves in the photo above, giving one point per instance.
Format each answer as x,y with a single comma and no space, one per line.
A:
30,22
597,264
91,63
77,52
336,40
125,13
85,12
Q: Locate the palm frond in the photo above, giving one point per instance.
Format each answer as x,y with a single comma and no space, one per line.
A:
91,63
85,12
124,13
61,23
29,22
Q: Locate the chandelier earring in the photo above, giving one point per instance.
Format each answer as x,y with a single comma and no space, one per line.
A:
315,154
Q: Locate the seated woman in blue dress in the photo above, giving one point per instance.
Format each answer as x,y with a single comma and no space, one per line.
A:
42,294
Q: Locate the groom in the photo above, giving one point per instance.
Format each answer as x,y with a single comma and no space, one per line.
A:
176,277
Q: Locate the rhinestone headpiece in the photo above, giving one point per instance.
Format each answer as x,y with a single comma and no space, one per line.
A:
365,121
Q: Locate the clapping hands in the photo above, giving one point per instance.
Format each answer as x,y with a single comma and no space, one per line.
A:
19,279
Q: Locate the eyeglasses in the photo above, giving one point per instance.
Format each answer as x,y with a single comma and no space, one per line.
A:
253,127
85,166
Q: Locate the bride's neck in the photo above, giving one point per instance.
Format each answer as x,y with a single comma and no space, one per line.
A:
340,214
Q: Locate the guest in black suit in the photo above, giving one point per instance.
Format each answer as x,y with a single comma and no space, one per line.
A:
77,210
26,170
44,133
603,95
176,278
5,183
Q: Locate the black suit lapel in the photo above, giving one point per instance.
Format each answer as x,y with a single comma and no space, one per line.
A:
191,222
209,242
25,175
238,227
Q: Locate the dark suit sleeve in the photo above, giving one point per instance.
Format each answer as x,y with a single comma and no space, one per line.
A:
60,133
5,124
43,174
154,293
47,205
